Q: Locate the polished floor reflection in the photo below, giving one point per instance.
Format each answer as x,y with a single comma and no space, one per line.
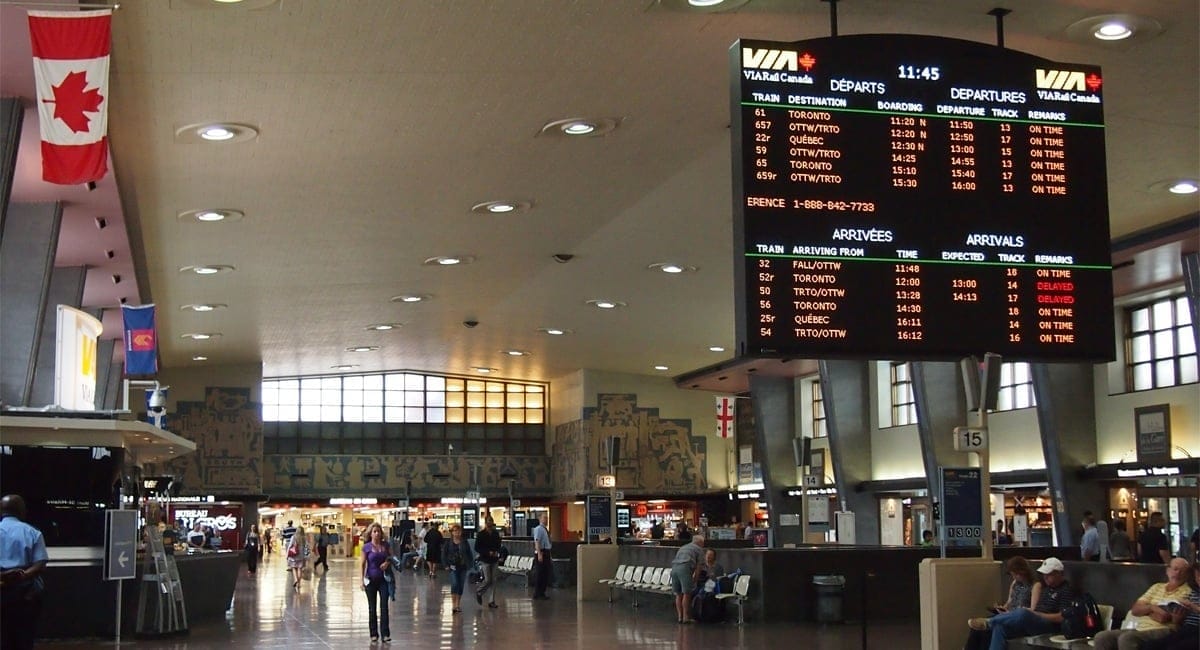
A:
330,611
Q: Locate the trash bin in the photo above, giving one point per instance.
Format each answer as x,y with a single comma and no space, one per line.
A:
830,590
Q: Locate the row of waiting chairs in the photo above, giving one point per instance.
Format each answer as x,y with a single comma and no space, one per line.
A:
657,580
517,565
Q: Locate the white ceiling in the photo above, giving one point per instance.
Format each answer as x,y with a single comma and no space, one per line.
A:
383,121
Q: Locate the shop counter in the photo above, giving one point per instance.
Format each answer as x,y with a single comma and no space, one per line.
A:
79,603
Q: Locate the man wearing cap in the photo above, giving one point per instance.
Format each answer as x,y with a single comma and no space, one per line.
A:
1045,618
1153,611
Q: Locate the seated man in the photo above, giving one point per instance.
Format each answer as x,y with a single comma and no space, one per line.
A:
1044,618
1153,611
1187,620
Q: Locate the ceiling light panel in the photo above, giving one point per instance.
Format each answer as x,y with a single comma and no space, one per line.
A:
211,215
449,260
411,297
580,127
203,306
502,206
207,269
215,133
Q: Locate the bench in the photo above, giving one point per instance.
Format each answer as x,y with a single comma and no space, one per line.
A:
517,565
741,591
1114,585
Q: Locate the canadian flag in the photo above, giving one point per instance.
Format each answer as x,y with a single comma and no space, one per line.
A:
70,61
725,415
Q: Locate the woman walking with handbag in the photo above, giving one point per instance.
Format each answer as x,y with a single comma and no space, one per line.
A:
457,556
252,549
376,565
297,556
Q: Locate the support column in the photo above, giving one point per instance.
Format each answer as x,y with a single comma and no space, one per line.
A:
11,116
1191,283
108,375
941,406
27,248
1066,411
775,428
845,387
66,288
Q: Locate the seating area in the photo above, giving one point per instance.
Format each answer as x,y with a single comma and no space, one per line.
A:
741,591
657,580
639,579
517,565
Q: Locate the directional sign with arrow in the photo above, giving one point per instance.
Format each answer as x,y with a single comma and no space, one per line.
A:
120,544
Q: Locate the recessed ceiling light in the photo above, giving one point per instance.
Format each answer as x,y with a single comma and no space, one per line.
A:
1176,186
449,260
211,215
200,336
344,366
662,368
383,327
604,303
483,370
580,127
700,6
1112,32
516,353
215,132
199,357
363,348
206,269
410,297
1113,28
715,348
205,306
502,206
672,267
554,331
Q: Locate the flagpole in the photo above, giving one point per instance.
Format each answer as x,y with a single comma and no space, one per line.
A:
62,5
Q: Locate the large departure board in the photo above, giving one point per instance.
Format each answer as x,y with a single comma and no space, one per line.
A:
915,197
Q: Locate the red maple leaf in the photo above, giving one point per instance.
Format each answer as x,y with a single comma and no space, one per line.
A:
72,98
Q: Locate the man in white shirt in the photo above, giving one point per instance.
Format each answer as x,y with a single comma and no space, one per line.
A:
545,566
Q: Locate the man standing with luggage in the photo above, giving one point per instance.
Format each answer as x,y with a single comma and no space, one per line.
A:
545,566
487,549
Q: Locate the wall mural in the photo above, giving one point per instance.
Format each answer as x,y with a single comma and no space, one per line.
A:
335,474
658,456
227,429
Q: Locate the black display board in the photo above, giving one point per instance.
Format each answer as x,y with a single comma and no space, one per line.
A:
917,197
962,509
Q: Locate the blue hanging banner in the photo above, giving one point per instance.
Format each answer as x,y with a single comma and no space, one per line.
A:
141,341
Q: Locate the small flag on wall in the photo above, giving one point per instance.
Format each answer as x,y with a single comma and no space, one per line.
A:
141,341
70,62
725,416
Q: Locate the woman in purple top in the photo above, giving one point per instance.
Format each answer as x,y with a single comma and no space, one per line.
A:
376,560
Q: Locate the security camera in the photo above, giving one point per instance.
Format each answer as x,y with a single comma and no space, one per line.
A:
470,323
563,258
158,400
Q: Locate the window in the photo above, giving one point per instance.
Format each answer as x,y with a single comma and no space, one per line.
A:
904,405
1160,347
818,411
1016,387
404,412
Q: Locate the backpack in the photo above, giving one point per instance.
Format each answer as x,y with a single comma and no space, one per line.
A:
1081,618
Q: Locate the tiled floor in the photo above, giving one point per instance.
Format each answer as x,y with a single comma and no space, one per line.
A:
330,611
